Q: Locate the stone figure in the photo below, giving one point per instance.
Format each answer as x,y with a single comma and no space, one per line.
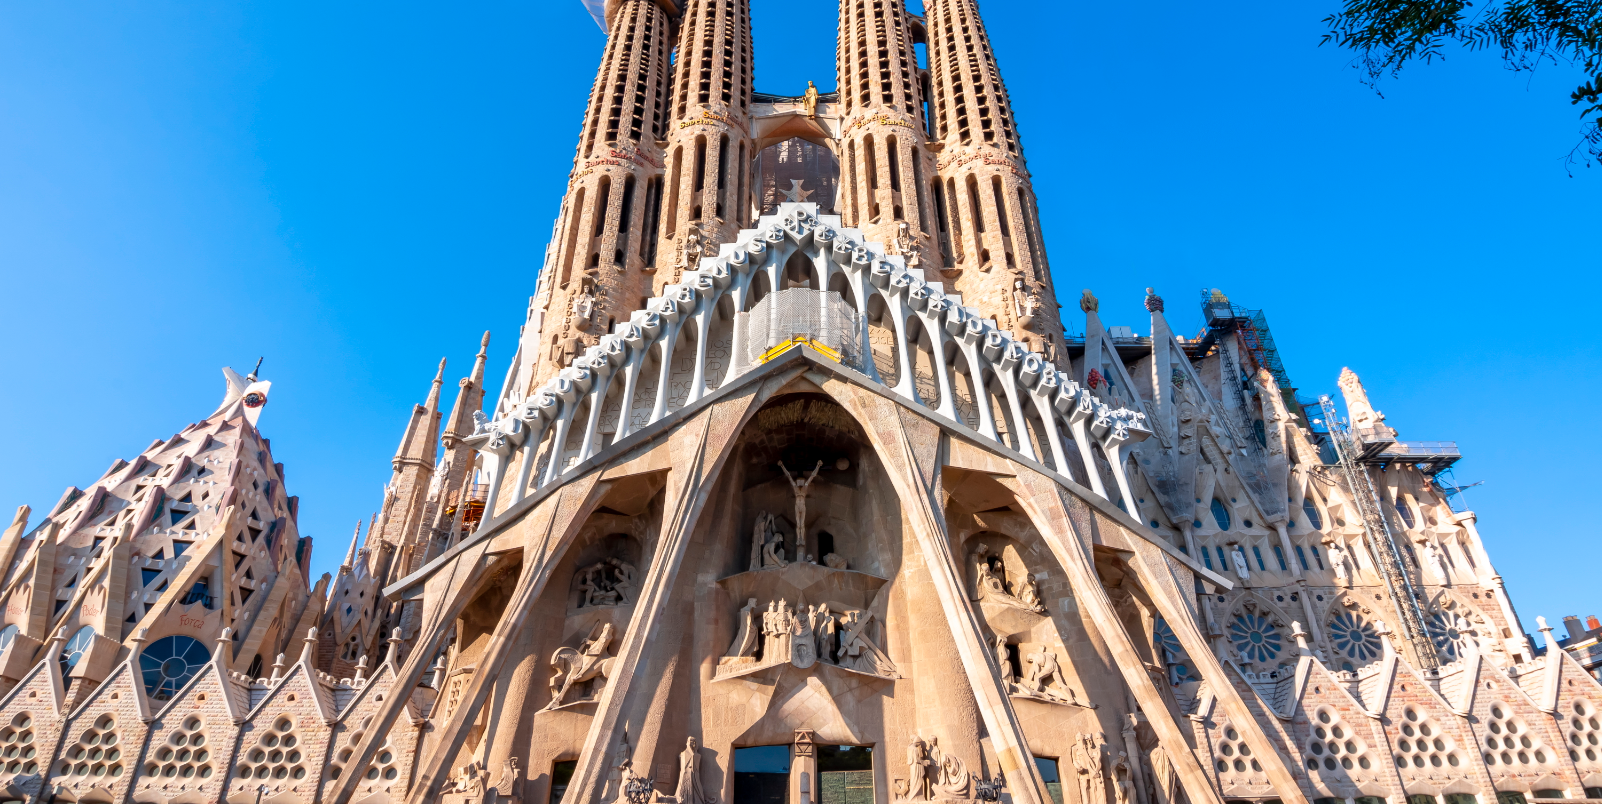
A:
989,585
774,549
570,666
1004,666
810,100
1044,671
800,489
857,652
952,777
470,780
584,307
1028,594
1086,755
1434,561
1240,562
760,538
623,578
511,776
834,561
802,641
689,790
1339,560
1121,773
745,643
1166,785
1025,304
918,771
1088,302
824,630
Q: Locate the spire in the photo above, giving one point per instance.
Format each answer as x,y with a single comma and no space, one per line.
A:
433,402
469,399
478,375
350,553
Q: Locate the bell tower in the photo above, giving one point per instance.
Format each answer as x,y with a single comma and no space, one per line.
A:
707,190
999,262
599,264
889,170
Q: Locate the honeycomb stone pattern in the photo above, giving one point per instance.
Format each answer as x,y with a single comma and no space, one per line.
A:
1333,744
96,757
1423,742
381,774
1234,754
186,754
1581,731
276,758
1508,741
17,751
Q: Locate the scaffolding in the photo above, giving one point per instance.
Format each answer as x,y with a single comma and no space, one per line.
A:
1222,319
1383,547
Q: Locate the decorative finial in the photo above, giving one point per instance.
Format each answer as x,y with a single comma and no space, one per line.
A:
484,343
439,375
252,376
1154,303
1088,302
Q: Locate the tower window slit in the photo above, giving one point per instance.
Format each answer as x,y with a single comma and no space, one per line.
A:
673,191
570,253
603,197
626,208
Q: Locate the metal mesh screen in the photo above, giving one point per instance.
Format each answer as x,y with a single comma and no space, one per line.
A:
817,315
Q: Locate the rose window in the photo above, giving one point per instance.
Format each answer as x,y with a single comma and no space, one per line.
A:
1255,638
1446,635
1354,637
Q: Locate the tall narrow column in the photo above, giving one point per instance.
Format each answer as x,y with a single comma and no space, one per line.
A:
709,149
890,172
999,261
601,256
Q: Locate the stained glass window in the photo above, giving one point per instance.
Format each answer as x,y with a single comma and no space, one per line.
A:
169,663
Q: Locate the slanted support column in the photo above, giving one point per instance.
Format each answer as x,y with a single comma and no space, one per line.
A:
1164,588
909,447
700,447
445,595
549,528
1065,533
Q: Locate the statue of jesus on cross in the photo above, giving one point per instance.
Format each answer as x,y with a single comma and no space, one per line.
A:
800,489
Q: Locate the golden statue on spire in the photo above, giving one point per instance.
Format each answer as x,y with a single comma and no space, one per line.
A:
810,100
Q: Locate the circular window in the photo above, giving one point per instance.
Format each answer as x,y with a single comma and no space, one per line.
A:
167,664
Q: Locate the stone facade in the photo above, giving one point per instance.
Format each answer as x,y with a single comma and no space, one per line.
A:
826,508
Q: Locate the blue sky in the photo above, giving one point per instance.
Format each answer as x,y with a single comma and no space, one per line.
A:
356,190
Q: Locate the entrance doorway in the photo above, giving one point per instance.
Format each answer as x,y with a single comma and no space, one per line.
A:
846,774
763,774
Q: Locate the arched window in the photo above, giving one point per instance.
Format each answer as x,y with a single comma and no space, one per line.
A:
1404,513
1312,511
1222,517
169,663
73,651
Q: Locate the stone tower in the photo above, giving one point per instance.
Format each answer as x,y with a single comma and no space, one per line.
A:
706,190
883,147
605,245
988,205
